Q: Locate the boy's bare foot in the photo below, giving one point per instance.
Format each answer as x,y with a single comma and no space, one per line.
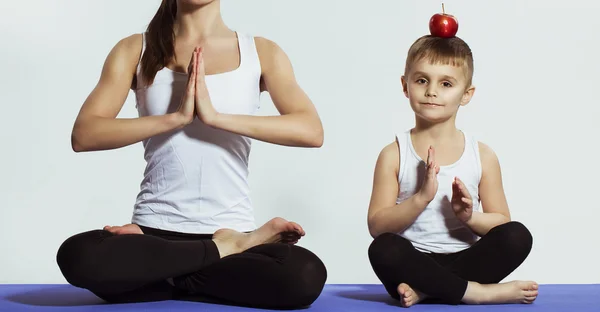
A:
511,292
125,229
409,296
276,230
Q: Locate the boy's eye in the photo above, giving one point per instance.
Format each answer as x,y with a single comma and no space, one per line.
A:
447,84
421,80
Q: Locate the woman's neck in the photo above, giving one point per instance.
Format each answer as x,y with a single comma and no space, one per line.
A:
199,22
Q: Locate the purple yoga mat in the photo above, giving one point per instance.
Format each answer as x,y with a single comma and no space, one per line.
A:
552,298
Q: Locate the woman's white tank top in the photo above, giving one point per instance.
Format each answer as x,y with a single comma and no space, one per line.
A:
195,179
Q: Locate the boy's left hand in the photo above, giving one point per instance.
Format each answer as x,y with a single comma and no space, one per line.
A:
461,202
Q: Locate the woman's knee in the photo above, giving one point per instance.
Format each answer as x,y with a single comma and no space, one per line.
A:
306,278
76,259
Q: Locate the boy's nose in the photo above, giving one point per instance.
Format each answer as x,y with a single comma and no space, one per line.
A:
430,92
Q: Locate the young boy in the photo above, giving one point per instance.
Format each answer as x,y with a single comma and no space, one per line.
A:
438,212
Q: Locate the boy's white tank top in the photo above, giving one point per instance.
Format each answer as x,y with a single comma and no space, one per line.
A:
195,179
437,229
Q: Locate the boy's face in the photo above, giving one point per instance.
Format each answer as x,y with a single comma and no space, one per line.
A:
435,91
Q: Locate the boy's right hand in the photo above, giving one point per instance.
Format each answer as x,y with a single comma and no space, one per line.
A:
187,109
430,183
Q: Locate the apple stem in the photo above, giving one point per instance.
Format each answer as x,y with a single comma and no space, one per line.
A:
443,10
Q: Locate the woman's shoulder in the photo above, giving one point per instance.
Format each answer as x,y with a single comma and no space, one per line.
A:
123,58
131,45
267,47
127,49
270,54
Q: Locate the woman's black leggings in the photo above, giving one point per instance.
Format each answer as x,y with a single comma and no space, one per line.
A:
444,276
164,265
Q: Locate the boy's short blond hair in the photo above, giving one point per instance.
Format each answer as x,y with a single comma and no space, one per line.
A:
449,51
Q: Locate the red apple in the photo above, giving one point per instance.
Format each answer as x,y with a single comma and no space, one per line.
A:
443,25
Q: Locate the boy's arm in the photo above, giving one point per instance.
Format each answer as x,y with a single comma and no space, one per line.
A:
491,193
384,214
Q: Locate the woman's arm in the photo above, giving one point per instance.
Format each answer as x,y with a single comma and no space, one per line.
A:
298,123
96,126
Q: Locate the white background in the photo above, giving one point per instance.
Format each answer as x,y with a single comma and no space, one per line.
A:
536,69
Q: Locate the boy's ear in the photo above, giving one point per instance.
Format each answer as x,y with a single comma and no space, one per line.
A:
467,96
404,85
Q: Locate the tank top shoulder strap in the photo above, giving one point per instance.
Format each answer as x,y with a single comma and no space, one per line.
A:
248,52
138,80
143,49
403,146
472,146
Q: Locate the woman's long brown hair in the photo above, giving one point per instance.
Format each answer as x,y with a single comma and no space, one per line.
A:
160,39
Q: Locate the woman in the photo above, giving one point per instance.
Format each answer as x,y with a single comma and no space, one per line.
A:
192,236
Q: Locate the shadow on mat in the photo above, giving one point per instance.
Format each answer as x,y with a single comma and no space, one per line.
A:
56,296
380,297
225,305
361,295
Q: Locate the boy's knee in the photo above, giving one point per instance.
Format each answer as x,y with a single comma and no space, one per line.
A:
380,244
387,250
516,237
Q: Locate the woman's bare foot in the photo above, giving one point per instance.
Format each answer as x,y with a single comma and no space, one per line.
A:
511,292
276,230
125,229
409,296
